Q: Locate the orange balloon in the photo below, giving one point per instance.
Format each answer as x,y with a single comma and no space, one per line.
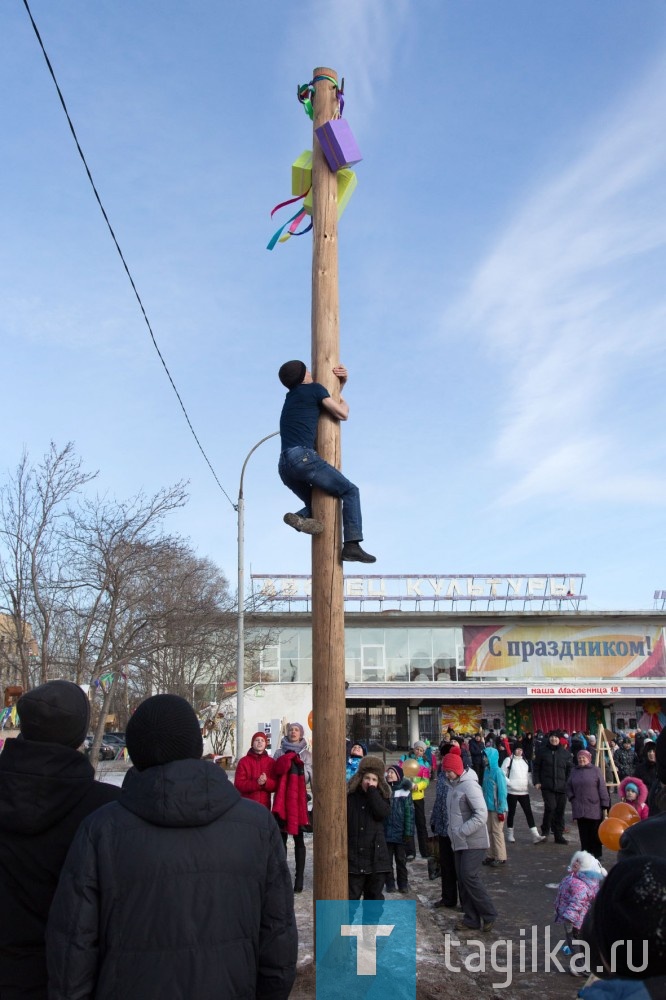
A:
411,768
624,812
610,832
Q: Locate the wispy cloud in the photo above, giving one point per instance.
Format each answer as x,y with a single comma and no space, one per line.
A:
359,39
569,299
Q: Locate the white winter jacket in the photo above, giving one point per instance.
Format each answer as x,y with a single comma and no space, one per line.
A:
517,775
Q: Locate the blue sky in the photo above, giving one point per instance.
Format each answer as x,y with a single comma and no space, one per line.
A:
502,264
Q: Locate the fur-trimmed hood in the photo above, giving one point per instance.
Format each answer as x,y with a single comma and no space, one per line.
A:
640,785
375,765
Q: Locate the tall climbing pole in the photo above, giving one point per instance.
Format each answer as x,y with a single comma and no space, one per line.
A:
328,629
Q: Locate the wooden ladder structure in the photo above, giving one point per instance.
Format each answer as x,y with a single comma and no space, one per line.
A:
604,754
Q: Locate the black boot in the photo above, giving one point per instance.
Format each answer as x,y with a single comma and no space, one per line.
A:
352,552
299,853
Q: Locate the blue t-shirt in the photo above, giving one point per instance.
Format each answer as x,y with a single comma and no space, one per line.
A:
300,415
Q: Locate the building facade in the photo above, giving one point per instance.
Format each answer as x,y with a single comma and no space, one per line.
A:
484,656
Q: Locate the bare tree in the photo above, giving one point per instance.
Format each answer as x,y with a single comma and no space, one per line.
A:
116,603
197,651
32,515
118,557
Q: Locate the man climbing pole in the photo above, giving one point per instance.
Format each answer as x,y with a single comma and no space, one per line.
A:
300,466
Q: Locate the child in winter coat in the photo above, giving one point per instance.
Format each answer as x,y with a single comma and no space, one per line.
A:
430,758
357,752
576,893
419,785
634,792
494,792
398,826
368,805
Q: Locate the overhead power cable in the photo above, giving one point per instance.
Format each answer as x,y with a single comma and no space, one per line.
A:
120,254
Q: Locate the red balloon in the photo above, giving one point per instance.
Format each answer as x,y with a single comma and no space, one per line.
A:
610,832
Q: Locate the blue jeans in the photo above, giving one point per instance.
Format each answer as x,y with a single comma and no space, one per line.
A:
302,468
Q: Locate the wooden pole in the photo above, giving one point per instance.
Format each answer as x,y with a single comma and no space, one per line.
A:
328,630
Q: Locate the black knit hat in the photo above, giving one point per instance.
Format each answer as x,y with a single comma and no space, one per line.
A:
292,373
55,712
164,728
398,770
630,907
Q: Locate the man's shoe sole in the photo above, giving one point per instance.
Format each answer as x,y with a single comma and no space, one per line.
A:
308,525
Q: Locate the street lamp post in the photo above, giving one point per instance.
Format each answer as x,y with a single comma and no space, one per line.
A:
240,648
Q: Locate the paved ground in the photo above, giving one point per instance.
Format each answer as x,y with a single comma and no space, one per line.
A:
523,891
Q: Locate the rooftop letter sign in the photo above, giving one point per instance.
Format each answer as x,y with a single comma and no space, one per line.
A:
497,587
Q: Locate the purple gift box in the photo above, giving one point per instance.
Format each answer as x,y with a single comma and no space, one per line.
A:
338,144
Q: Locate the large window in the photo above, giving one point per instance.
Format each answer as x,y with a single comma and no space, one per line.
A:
288,659
381,655
403,654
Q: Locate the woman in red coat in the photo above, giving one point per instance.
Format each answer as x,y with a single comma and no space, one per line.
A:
254,773
293,769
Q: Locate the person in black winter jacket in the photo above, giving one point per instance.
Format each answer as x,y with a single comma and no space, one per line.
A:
646,770
179,889
477,751
398,827
625,759
46,789
550,773
624,931
368,805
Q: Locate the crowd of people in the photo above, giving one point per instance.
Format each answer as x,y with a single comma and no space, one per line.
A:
615,922
103,881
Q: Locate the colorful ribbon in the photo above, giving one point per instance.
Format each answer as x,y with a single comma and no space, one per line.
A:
306,92
289,202
280,236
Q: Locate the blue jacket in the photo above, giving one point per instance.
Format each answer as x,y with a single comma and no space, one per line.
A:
494,783
625,989
400,821
352,766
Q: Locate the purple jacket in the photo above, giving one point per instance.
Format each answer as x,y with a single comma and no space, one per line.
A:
587,792
575,895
